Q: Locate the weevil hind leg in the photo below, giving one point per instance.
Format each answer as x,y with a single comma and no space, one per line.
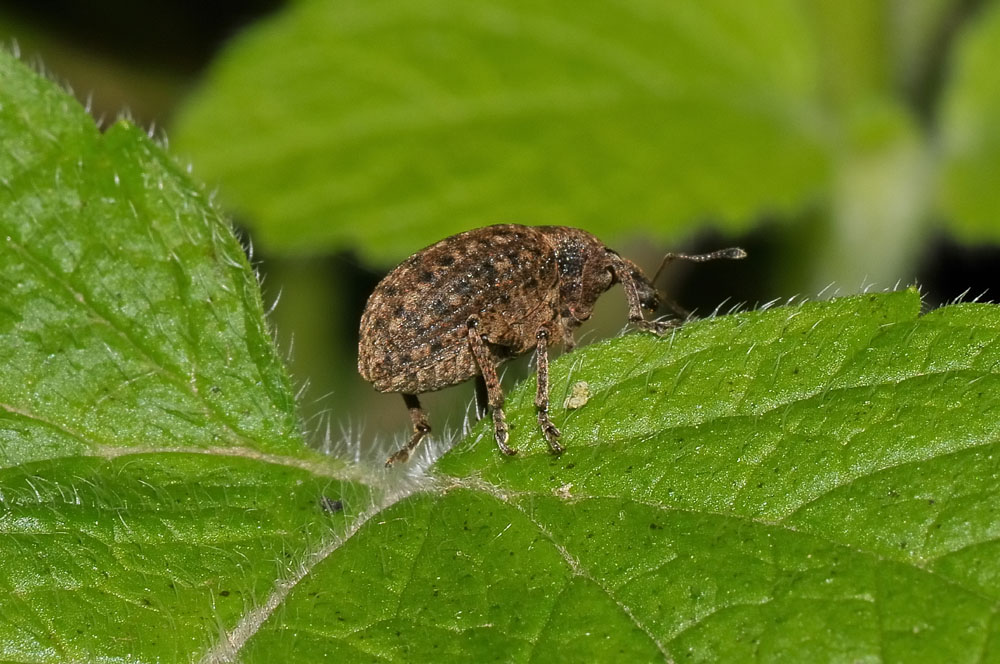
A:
542,393
482,397
494,393
421,427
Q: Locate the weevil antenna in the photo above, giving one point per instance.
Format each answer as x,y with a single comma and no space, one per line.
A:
731,253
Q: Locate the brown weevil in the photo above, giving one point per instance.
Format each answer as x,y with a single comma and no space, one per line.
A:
464,305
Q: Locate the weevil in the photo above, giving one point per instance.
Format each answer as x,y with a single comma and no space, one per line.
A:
461,307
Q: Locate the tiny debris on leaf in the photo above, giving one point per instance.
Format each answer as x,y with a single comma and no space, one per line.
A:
578,396
331,506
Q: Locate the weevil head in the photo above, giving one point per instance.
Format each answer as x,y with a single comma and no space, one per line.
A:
587,268
581,262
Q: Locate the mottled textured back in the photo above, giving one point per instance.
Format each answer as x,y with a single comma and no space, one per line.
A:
413,331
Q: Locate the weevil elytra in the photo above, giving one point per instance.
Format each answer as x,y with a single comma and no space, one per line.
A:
464,305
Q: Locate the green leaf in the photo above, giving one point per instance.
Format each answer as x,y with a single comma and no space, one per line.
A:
970,133
154,484
809,483
384,126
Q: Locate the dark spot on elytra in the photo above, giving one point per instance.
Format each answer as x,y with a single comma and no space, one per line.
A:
436,347
446,260
426,277
400,311
465,287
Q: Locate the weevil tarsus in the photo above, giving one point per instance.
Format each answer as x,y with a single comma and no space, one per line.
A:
421,427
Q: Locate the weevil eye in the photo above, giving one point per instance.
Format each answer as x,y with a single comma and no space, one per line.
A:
649,299
651,302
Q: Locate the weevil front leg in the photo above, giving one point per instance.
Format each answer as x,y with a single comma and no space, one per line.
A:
494,392
421,427
633,281
542,393
623,273
729,253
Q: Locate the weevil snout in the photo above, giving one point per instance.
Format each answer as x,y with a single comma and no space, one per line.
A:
649,298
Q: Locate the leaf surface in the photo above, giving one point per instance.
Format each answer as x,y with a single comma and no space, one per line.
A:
809,483
384,126
154,484
813,482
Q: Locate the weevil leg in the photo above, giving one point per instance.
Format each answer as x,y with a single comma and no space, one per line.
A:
635,316
624,275
482,397
542,394
494,392
569,342
421,427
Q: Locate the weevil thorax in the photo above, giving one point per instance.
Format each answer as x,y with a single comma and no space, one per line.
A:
587,268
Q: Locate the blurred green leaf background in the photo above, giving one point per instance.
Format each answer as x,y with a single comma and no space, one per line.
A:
848,143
